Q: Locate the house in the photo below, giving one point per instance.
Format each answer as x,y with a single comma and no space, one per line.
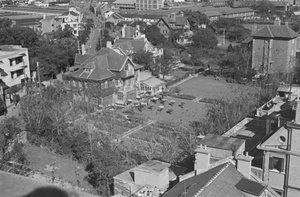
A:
173,21
128,32
151,84
114,18
109,74
281,150
52,23
151,177
225,178
149,4
274,49
14,69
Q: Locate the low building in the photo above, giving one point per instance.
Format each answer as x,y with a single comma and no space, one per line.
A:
151,84
151,177
14,68
149,4
125,4
109,75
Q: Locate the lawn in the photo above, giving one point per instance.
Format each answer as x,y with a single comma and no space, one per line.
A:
208,87
190,111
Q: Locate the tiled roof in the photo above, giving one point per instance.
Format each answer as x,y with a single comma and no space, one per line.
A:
275,31
166,21
79,58
128,44
180,20
250,187
99,69
218,181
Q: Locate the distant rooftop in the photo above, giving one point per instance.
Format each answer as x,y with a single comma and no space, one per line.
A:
153,166
221,142
10,47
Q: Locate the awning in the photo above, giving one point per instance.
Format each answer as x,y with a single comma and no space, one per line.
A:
284,88
153,82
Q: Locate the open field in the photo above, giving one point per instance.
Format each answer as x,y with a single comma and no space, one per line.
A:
208,87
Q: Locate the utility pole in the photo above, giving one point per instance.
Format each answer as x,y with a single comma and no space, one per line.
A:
39,74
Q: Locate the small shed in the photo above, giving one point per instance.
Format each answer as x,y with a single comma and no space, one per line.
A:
151,84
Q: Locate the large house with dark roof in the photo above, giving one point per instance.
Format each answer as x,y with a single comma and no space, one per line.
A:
109,76
274,49
173,21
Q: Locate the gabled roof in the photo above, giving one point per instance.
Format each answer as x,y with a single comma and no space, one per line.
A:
218,181
128,44
98,66
275,31
79,58
166,21
276,139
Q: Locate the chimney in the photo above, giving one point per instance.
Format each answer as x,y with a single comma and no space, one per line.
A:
202,158
286,23
277,21
123,30
244,164
44,16
297,118
138,27
108,44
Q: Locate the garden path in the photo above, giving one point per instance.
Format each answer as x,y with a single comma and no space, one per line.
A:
149,122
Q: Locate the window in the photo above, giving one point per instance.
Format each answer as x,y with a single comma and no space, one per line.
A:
11,61
278,192
105,84
19,60
276,163
102,85
120,96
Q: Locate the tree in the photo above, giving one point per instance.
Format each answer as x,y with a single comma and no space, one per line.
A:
295,25
105,163
103,41
166,63
10,127
141,24
264,8
85,33
238,33
205,38
143,58
23,36
5,23
196,18
60,33
154,36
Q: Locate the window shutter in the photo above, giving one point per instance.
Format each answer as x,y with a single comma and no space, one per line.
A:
271,163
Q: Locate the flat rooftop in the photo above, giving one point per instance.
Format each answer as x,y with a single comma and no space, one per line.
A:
221,142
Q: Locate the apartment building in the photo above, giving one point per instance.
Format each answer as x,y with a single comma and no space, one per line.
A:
14,68
274,49
149,4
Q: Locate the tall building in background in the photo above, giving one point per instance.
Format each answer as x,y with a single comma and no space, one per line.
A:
149,4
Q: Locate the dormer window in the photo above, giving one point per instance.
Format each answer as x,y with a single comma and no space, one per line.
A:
87,70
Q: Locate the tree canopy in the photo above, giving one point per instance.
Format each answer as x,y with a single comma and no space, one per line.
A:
205,38
154,36
196,18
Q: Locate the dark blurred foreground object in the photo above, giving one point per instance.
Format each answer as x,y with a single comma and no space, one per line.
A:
50,192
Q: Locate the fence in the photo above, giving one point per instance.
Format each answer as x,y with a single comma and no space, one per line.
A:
172,82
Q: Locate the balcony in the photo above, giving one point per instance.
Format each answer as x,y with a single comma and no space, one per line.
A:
19,66
126,88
